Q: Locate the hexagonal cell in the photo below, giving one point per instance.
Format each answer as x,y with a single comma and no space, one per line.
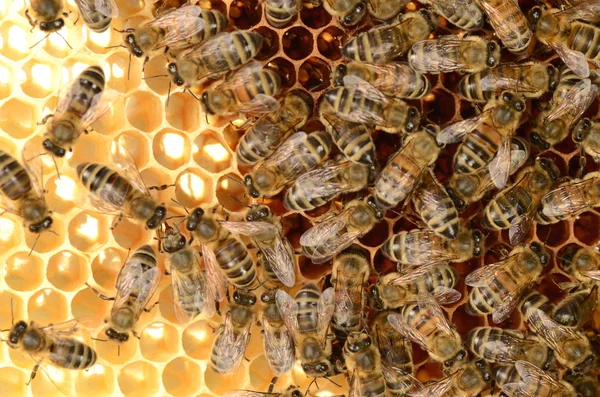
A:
587,228
48,306
221,383
315,18
442,110
10,305
130,234
67,270
90,148
155,77
88,232
245,13
376,236
285,69
261,376
159,342
270,45
106,266
330,41
160,182
100,43
297,43
228,186
139,379
171,149
14,381
210,153
98,381
567,146
194,187
112,121
581,165
180,377
121,75
113,353
6,80
24,272
19,118
183,111
61,193
553,235
63,45
48,240
11,234
15,41
41,78
558,160
197,339
144,111
311,270
136,144
86,304
313,74
165,305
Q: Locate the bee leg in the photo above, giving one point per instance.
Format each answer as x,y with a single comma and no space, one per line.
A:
217,308
45,119
101,296
272,385
582,164
117,222
148,310
34,372
160,187
31,21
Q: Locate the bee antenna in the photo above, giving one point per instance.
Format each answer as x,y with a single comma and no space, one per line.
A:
233,179
168,94
181,205
65,40
119,350
42,39
34,243
100,340
153,77
116,46
198,99
310,384
239,201
12,313
129,67
337,384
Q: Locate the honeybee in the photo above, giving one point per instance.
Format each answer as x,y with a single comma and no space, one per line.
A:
515,207
78,107
391,40
47,14
191,294
466,380
136,283
466,14
349,275
349,12
395,79
585,386
572,348
487,138
177,28
269,131
97,15
534,301
307,317
530,79
321,185
220,54
279,13
586,133
360,102
497,345
423,247
584,265
233,336
535,382
226,258
465,189
249,90
332,235
509,23
363,361
276,254
385,10
577,308
291,391
300,153
395,290
402,172
445,54
426,325
277,339
498,287
572,197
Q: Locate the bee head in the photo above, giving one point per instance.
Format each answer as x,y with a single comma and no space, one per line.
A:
318,370
540,252
175,77
493,57
581,130
534,16
174,241
358,341
159,216
131,43
585,365
372,202
375,298
459,357
484,368
258,213
268,296
16,333
244,298
39,227
516,102
540,142
549,167
478,243
337,78
297,393
552,77
250,186
413,120
52,26
356,15
458,203
53,149
193,219
119,337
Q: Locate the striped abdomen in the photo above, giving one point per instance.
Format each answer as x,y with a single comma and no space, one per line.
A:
318,146
14,180
397,179
230,50
145,256
534,301
347,101
397,79
469,16
478,149
485,300
469,87
279,13
505,374
500,212
107,184
438,276
509,23
366,47
265,82
214,23
480,336
95,20
436,208
261,140
412,247
353,139
236,262
71,354
298,198
307,298
586,39
90,83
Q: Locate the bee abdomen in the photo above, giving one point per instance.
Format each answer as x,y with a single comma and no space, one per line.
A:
14,180
145,256
469,87
475,153
499,213
307,299
215,23
236,262
91,82
104,183
481,301
585,38
355,142
278,15
72,354
297,198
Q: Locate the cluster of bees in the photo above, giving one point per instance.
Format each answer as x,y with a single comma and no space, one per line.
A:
360,325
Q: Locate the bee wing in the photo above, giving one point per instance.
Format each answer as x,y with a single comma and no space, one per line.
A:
280,344
507,80
431,194
560,202
426,301
500,165
586,309
575,60
325,307
519,227
458,7
334,246
63,329
189,287
593,274
443,45
506,349
517,389
328,229
324,181
533,375
248,393
180,23
587,10
250,229
32,162
106,207
288,308
550,331
125,163
101,104
446,295
485,275
367,89
457,131
232,345
108,8
295,153
261,103
397,321
217,282
136,281
437,388
575,102
241,76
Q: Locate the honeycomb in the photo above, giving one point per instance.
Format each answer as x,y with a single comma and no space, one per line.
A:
177,145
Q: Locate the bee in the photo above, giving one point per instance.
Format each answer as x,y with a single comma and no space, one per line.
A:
435,207
466,14
509,23
395,79
179,28
445,54
530,79
567,80
277,339
321,185
572,197
136,283
403,171
47,14
22,194
78,107
487,138
233,336
332,235
385,10
585,385
307,317
536,382
571,348
465,189
586,133
423,247
349,12
300,153
280,13
268,132
349,275
97,15
584,265
466,380
363,361
360,102
291,391
266,231
534,301
391,40
222,53
515,207
577,308
191,294
226,258
249,90
507,346
498,287
394,290
425,324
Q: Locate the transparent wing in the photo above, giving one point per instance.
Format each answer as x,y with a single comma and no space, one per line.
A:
437,388
241,76
561,201
446,295
251,229
457,131
232,345
326,230
575,102
325,307
519,226
506,78
282,263
217,282
181,23
432,196
63,329
260,103
126,164
101,104
367,89
296,155
443,45
507,349
575,60
587,10
288,308
248,393
217,46
500,164
32,162
325,181
426,301
551,332
190,294
533,375
484,276
399,323
105,207
138,284
459,7
332,247
279,342
107,8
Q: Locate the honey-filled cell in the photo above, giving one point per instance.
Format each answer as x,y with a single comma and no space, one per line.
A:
67,270
330,41
270,45
86,305
171,148
221,383
89,231
130,234
24,272
41,78
231,193
297,43
210,153
18,118
181,377
136,145
139,379
155,77
159,342
12,309
97,381
106,266
245,13
194,187
48,306
197,339
115,353
15,40
61,193
144,111
14,382
314,74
